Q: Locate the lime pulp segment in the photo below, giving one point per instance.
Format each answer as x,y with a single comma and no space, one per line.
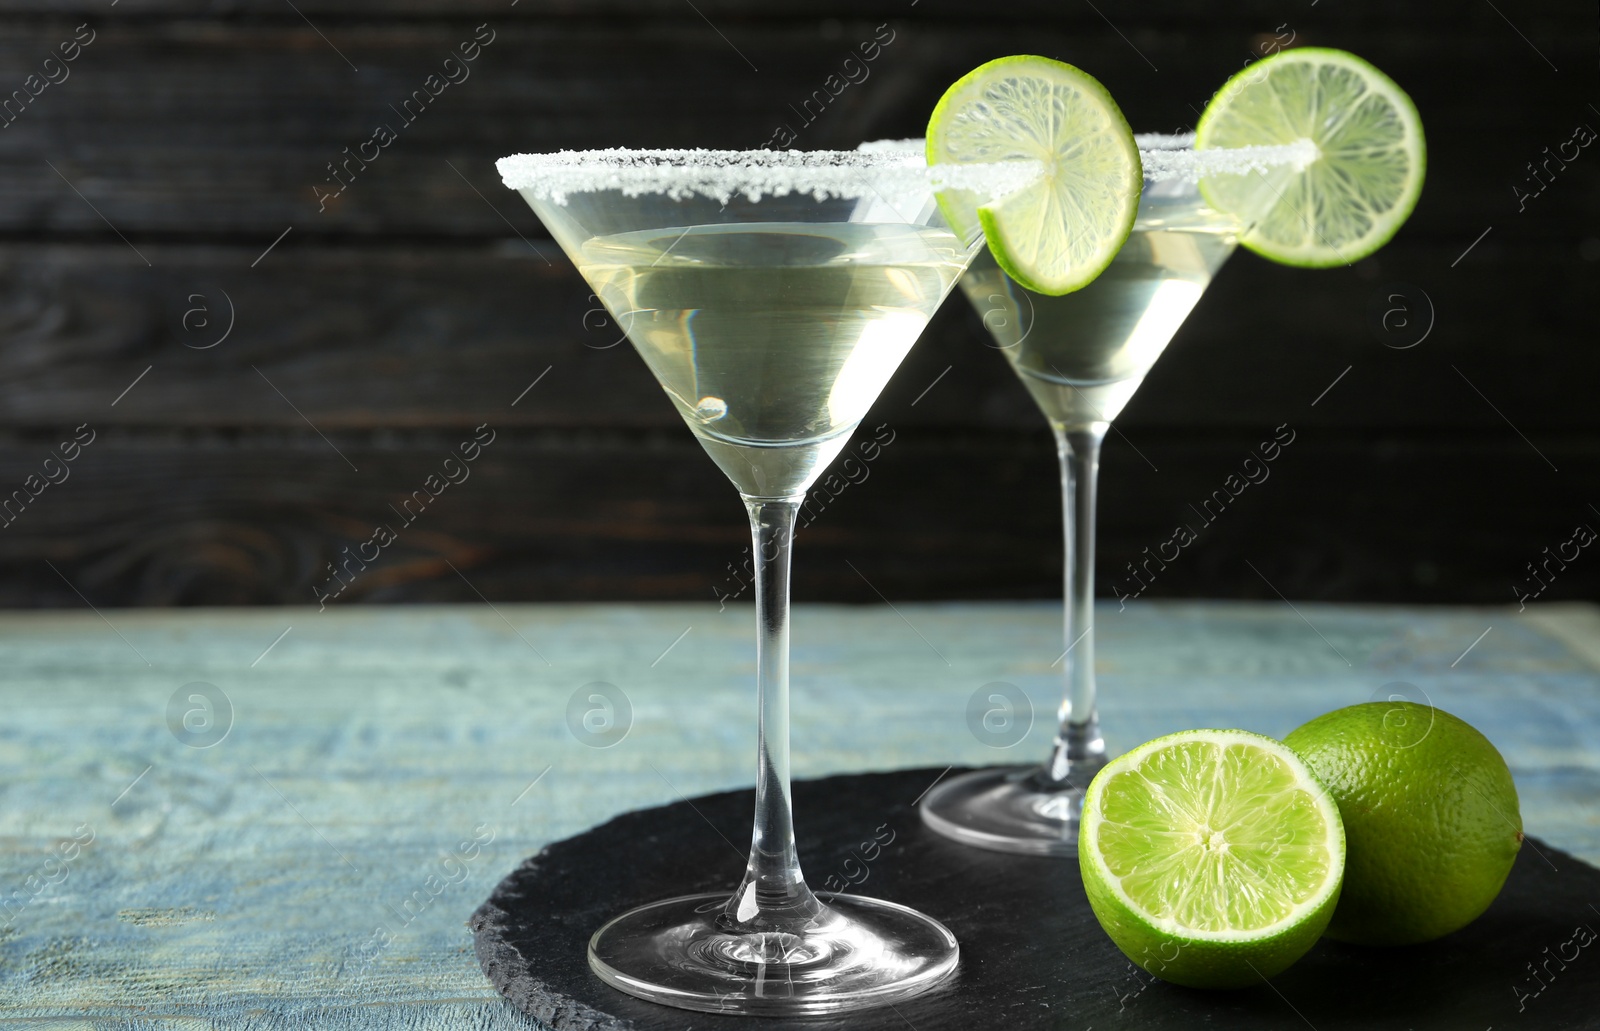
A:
1215,836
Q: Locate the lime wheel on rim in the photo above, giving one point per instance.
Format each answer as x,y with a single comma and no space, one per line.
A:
1058,233
1370,165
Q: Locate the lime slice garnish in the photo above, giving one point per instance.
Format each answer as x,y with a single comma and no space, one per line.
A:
1371,159
1213,858
1058,233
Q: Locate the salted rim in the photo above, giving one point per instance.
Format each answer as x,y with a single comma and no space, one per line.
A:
1172,157
881,167
722,175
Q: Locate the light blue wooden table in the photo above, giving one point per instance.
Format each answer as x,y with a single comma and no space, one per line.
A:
383,768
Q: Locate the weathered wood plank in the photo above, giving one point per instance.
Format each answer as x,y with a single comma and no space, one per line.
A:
239,886
415,336
193,127
204,518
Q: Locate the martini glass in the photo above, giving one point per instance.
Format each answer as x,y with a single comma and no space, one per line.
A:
1082,356
773,295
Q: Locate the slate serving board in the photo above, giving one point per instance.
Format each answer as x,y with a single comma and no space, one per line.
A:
1032,954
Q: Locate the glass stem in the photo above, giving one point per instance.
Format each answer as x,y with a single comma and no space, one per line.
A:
1078,749
774,895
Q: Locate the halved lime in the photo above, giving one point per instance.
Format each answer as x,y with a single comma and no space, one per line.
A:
1368,174
1058,233
1213,858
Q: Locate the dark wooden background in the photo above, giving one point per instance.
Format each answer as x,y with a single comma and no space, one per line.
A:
138,197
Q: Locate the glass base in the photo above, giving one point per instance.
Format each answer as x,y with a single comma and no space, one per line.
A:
858,952
1011,809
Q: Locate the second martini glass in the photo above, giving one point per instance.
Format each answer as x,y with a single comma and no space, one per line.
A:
773,295
1082,356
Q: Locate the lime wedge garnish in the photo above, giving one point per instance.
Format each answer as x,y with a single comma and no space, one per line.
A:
1058,233
1213,858
1361,188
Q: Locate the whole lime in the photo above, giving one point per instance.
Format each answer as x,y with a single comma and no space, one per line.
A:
1430,818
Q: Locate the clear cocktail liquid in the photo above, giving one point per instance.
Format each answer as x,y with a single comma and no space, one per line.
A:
1084,354
773,339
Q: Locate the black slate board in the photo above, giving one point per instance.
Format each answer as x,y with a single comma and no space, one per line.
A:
1032,955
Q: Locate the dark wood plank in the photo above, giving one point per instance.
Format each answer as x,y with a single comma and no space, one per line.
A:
1163,12
409,311
179,129
412,336
403,337
205,518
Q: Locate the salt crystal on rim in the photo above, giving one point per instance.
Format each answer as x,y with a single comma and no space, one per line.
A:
724,174
892,167
1171,156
